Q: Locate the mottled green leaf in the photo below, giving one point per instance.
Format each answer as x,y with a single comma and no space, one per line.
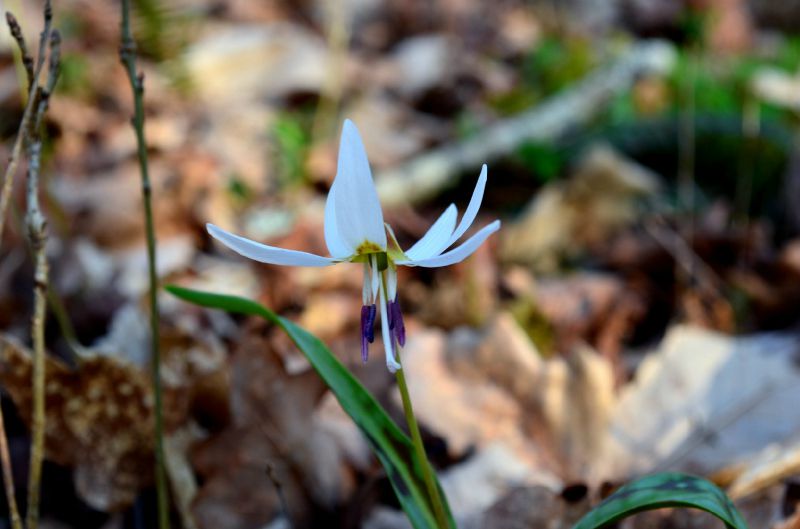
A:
664,490
393,448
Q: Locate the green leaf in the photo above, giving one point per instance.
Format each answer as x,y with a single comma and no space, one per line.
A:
668,489
393,448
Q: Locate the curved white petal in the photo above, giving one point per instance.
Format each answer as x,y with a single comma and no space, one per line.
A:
266,254
336,246
472,208
459,253
355,202
437,238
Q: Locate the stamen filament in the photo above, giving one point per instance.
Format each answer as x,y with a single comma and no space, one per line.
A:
366,290
388,339
375,276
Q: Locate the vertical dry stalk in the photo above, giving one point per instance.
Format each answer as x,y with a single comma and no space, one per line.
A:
38,236
37,232
338,35
29,126
127,54
30,107
8,477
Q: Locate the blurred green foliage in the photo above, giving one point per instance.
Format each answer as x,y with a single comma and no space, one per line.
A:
74,79
726,160
162,29
291,135
238,191
556,63
551,65
535,324
545,160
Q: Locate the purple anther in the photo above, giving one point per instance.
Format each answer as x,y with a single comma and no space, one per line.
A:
373,313
368,313
396,324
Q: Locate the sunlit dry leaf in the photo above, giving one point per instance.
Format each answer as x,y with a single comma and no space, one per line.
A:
567,217
567,401
704,402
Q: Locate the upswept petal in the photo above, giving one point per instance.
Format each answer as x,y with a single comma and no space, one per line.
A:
459,253
336,246
472,209
437,238
266,254
355,202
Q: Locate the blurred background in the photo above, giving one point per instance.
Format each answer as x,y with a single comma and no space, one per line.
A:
637,312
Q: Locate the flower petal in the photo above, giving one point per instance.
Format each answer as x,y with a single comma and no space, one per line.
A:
336,246
437,238
266,254
355,202
472,208
459,253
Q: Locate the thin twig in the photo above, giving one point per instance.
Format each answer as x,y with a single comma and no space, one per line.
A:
27,60
37,232
684,255
56,306
127,54
273,478
8,477
30,106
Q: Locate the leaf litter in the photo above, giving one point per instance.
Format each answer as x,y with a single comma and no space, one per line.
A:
606,335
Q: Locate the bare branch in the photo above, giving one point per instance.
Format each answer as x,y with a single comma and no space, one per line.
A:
27,115
37,232
127,55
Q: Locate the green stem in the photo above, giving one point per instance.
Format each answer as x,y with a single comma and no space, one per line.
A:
416,438
128,57
411,420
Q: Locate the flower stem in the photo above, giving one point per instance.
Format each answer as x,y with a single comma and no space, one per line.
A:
127,55
416,438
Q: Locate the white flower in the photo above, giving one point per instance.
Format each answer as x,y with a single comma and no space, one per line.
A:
355,232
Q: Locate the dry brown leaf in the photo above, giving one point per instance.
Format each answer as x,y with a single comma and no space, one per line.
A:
273,433
99,420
